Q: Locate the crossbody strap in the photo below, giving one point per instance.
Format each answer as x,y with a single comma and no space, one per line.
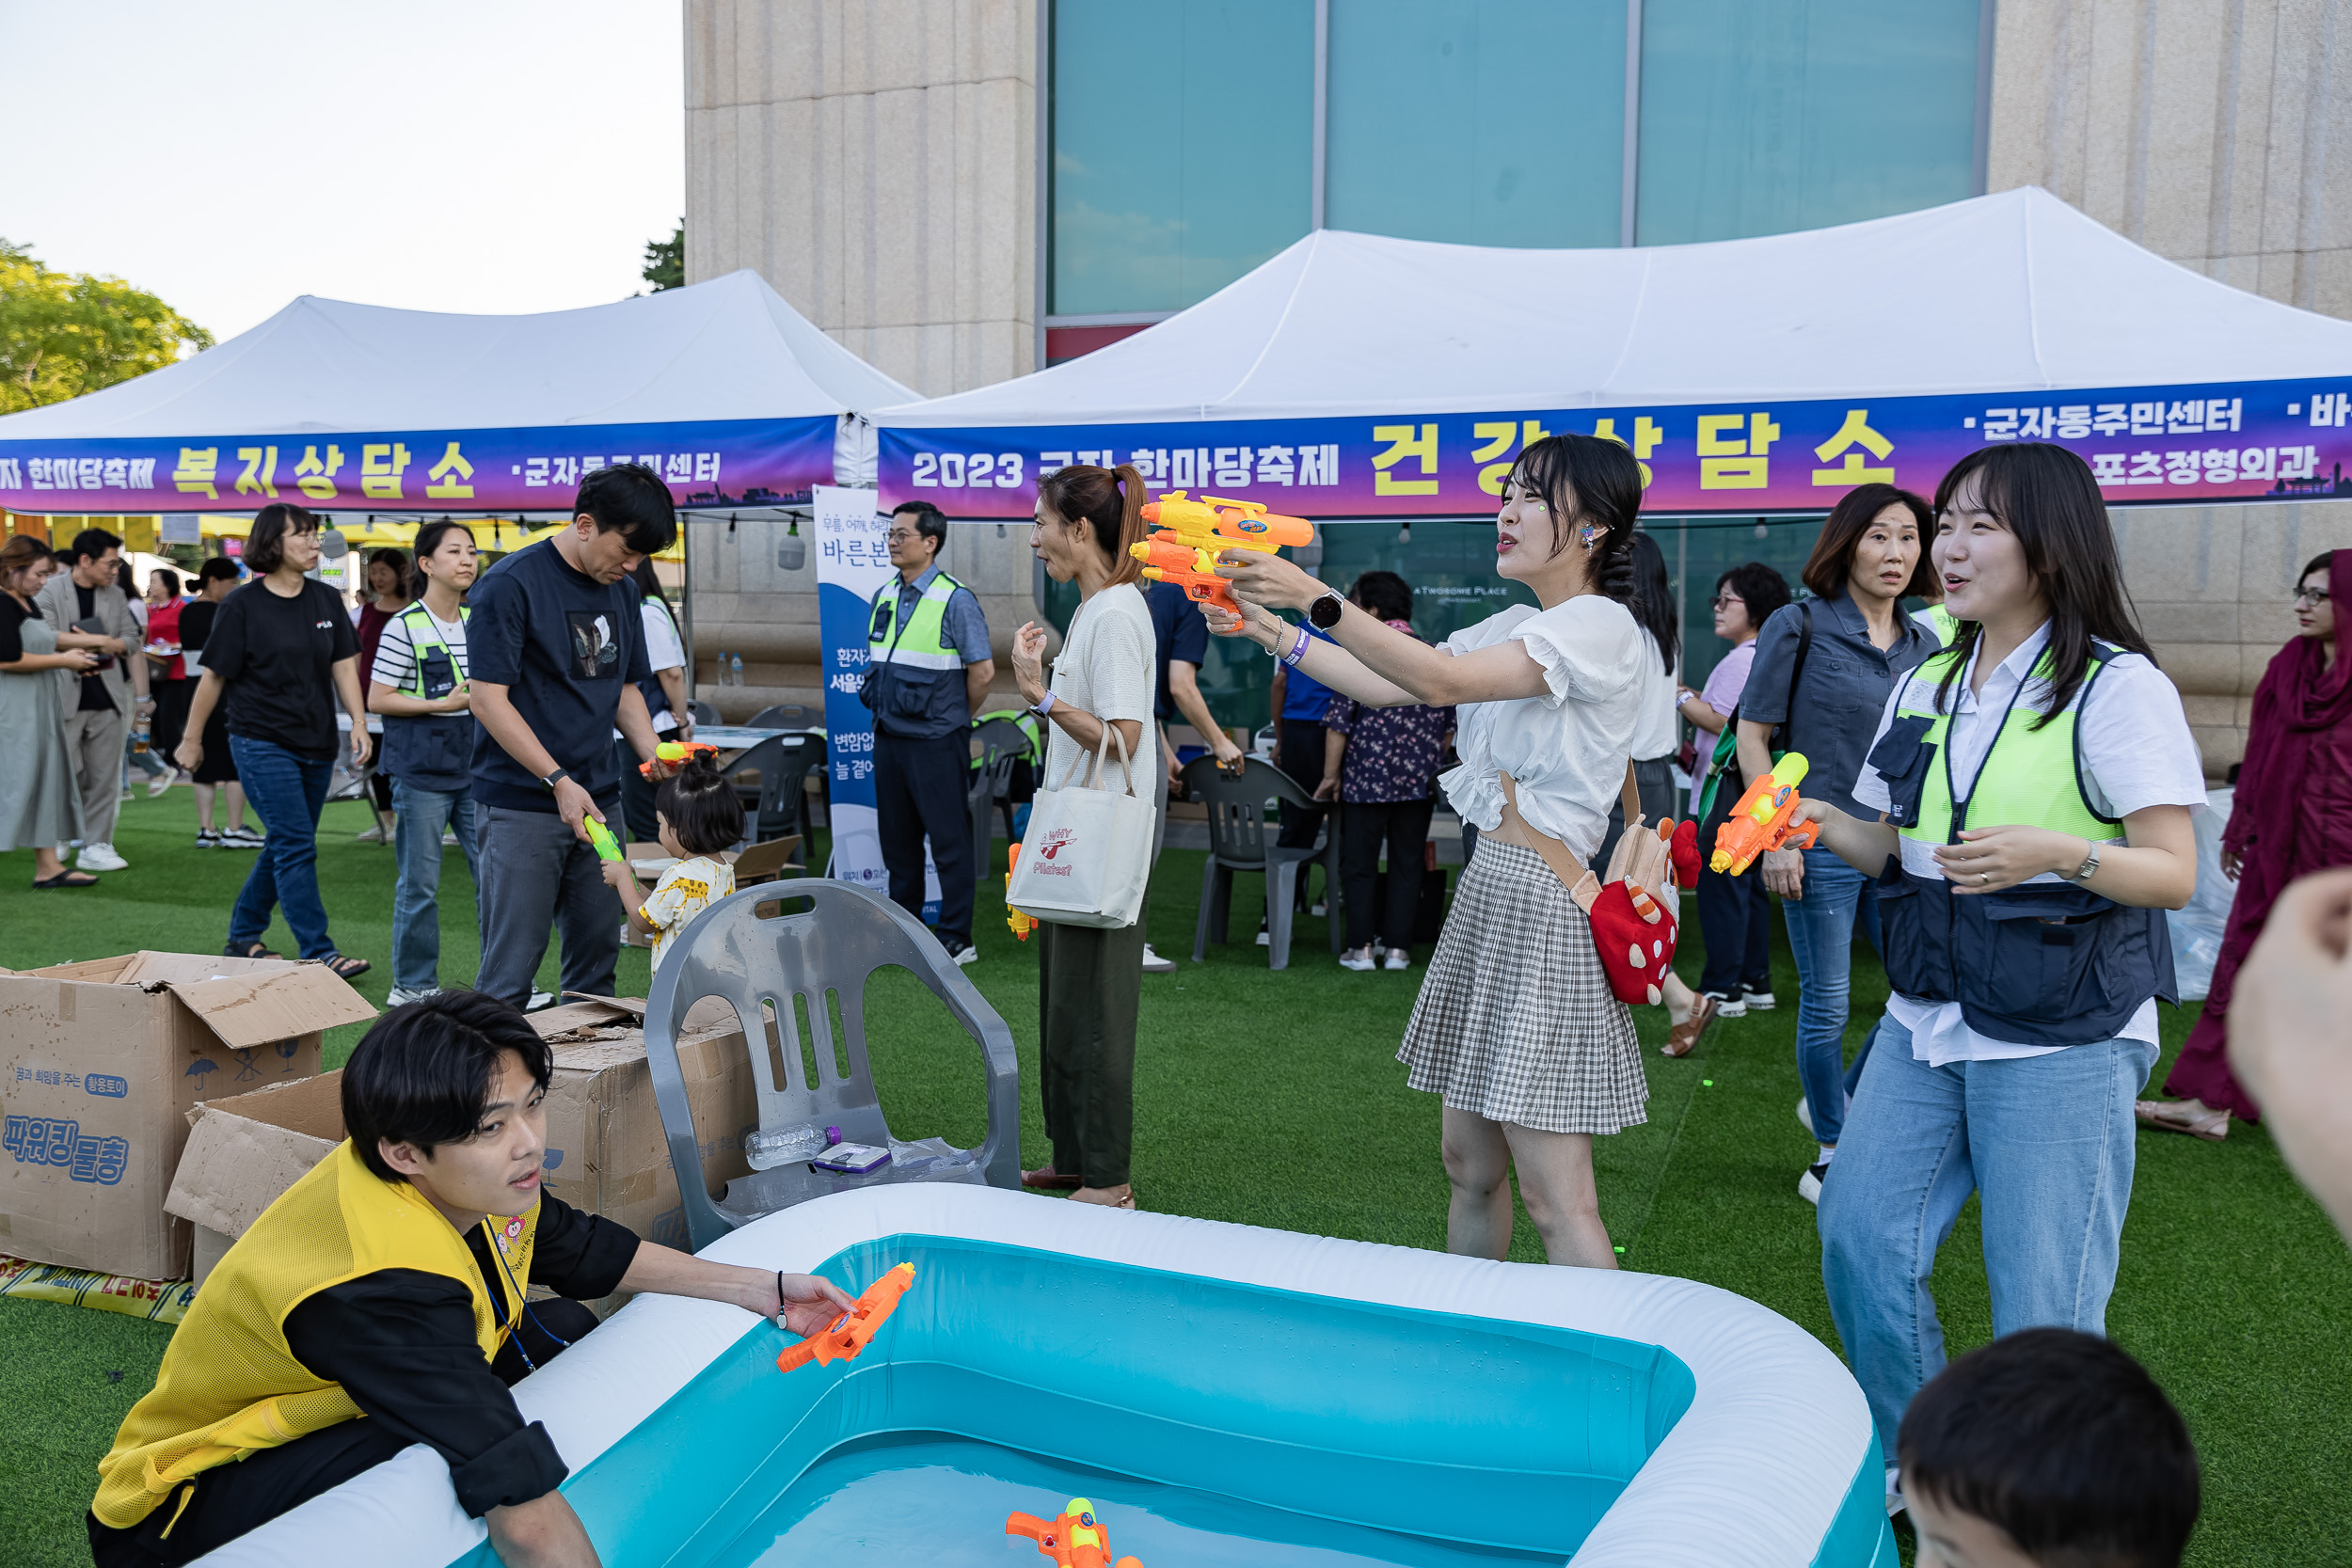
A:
1564,866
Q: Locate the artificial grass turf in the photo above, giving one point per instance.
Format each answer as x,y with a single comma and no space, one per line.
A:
1275,1098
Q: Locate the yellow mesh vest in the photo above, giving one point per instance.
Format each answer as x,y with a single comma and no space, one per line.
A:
229,1385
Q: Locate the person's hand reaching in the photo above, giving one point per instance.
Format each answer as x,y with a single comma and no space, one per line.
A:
807,1305
2287,1035
1262,579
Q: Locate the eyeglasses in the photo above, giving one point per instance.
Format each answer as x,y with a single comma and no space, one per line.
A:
902,535
1725,601
2310,596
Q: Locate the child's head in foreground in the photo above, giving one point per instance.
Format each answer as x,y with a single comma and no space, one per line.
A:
698,809
2047,1448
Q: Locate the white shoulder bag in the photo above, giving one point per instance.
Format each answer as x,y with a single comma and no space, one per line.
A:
1085,859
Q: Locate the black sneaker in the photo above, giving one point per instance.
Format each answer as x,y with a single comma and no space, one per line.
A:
208,838
963,952
1809,1184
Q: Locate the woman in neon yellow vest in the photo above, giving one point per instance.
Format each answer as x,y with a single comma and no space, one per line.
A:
2036,782
388,1282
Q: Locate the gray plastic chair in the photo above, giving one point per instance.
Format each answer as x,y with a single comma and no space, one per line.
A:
1241,838
1001,743
779,715
779,804
704,713
820,936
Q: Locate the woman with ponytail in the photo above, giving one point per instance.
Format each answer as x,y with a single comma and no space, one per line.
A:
1091,980
1515,1027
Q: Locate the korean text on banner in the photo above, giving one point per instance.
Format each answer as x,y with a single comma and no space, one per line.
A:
853,564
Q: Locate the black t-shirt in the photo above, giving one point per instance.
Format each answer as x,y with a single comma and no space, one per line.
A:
95,697
278,656
196,623
1181,631
565,646
401,1342
13,615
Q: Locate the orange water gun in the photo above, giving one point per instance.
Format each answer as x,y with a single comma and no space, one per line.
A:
1192,533
1760,820
1076,1540
677,753
1022,924
850,1332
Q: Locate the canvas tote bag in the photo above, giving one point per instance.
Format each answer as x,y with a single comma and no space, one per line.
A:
1085,859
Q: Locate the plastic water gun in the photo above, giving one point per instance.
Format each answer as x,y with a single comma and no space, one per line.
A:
608,847
1192,533
850,1332
1760,820
677,753
1076,1540
1022,924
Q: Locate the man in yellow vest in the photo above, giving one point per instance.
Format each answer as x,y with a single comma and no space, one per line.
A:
389,1284
927,670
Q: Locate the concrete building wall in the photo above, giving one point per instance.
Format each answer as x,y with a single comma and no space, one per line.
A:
876,162
2216,133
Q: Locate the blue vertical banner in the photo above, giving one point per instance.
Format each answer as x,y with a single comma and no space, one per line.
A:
852,565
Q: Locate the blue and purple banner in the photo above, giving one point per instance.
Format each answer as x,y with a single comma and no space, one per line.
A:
533,469
2250,441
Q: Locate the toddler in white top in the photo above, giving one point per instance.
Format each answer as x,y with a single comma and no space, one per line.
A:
699,817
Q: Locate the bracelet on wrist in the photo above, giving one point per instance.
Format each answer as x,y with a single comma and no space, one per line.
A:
1297,649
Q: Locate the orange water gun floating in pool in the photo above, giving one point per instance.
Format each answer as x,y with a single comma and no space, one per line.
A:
849,1332
1076,1539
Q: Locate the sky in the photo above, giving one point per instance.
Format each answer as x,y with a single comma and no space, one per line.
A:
495,157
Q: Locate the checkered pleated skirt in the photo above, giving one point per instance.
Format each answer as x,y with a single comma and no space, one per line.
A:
1515,1022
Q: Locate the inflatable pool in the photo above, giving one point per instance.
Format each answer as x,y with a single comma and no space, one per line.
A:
1223,1394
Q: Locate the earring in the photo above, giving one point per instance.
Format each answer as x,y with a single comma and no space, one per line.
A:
1592,533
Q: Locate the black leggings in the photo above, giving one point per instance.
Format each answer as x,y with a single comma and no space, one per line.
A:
231,1499
1403,826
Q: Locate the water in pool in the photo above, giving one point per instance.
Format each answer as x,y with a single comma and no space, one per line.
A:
941,1501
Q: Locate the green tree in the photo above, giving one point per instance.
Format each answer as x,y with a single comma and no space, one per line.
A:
64,334
666,261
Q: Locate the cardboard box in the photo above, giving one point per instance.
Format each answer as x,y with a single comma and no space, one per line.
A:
99,1063
606,1152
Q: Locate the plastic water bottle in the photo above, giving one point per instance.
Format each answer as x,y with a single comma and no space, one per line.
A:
735,671
768,1147
139,737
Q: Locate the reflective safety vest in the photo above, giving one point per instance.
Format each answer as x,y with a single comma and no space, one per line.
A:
1942,622
2040,963
433,752
1025,720
914,681
229,1385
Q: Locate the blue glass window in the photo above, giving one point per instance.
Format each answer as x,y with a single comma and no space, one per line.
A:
1183,147
1760,116
1494,122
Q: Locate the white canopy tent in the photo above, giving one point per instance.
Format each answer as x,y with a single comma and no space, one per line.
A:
2000,294
613,380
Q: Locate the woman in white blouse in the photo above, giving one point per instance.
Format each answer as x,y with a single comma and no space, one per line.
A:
1089,980
1514,1027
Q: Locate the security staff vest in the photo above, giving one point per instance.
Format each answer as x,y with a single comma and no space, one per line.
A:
229,1385
433,752
914,681
2040,963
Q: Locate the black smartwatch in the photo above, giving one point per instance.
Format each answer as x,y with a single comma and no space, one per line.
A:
556,778
1325,611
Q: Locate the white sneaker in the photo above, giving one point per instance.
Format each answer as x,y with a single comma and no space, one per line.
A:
965,954
400,997
1804,1112
1729,1006
1397,960
1759,1000
371,836
539,999
100,857
1809,1184
449,839
1357,958
161,784
240,838
1265,935
1154,964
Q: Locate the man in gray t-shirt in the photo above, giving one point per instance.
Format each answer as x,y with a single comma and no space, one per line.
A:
928,668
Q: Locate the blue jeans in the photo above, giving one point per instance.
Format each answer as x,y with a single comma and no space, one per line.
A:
287,792
2049,1142
1821,935
418,816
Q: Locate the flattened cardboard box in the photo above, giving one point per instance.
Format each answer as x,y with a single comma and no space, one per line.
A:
99,1063
606,1152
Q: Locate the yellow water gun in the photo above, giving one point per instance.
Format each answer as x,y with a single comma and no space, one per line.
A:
1191,533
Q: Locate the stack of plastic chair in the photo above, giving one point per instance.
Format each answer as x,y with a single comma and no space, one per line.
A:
1242,838
762,948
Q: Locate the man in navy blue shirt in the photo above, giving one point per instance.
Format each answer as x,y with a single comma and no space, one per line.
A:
1300,701
555,648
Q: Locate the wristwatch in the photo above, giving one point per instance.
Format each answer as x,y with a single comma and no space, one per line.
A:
1325,611
2089,865
556,778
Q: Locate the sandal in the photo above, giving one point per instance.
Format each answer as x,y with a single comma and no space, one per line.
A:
67,878
1045,1179
1683,1037
2213,1126
346,967
254,951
